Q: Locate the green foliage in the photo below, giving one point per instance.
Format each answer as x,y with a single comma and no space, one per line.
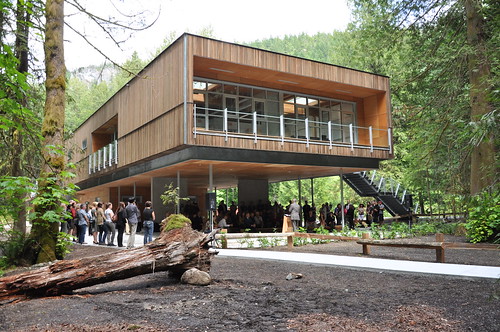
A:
12,250
170,196
326,189
484,218
14,193
63,245
175,221
264,242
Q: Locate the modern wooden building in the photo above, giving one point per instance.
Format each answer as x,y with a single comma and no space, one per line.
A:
207,113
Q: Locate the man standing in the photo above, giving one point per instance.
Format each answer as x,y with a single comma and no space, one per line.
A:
83,221
133,215
305,211
294,210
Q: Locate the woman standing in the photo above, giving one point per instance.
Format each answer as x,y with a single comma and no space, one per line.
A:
93,221
109,226
148,215
99,220
120,223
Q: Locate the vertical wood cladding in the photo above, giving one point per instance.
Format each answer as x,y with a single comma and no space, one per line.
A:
150,110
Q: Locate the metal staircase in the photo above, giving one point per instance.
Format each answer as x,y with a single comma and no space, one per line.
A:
371,184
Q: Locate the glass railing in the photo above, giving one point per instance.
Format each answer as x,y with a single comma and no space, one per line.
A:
103,158
216,122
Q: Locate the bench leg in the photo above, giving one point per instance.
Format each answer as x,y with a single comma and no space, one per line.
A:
290,242
440,255
366,249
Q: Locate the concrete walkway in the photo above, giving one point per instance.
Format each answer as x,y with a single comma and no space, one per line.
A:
459,270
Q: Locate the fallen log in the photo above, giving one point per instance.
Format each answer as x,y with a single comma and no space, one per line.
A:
176,251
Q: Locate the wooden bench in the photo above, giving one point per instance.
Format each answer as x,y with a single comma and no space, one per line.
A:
439,245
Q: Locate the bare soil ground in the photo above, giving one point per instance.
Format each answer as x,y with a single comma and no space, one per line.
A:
253,295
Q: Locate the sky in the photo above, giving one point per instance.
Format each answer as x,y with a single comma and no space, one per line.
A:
230,20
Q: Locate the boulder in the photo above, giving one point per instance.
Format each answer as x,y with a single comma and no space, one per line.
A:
196,277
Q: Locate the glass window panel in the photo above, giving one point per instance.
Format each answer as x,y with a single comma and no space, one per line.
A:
287,98
273,127
289,110
245,91
347,107
198,85
273,95
215,114
325,116
290,128
259,107
347,119
258,93
312,102
272,108
232,115
215,101
336,127
230,89
301,129
230,103
335,105
324,103
301,100
245,105
301,112
314,114
214,87
335,117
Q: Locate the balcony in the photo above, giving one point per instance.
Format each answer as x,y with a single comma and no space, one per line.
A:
254,126
103,158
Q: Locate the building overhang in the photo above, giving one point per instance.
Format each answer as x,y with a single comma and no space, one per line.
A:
275,79
229,165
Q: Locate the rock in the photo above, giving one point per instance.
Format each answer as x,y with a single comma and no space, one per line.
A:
196,277
292,275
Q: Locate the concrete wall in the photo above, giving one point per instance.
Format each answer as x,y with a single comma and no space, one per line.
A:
251,191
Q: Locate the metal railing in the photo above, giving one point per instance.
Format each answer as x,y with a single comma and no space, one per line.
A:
103,158
229,124
385,185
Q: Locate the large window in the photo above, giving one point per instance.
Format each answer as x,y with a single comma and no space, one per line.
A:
241,101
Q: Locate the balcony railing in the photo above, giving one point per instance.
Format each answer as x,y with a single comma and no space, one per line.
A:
103,158
216,122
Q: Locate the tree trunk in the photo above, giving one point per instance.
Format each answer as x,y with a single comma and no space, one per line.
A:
44,233
177,251
483,166
21,50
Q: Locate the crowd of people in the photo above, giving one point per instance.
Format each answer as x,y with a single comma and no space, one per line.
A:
104,224
266,216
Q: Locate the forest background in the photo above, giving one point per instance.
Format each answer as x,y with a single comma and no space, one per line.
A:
422,46
441,55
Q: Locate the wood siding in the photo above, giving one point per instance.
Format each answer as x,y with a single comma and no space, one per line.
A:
149,111
162,134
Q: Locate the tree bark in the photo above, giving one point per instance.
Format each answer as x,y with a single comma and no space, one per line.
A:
177,251
22,30
44,233
483,166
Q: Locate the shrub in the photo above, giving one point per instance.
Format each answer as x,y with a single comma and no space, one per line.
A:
483,223
175,221
12,250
